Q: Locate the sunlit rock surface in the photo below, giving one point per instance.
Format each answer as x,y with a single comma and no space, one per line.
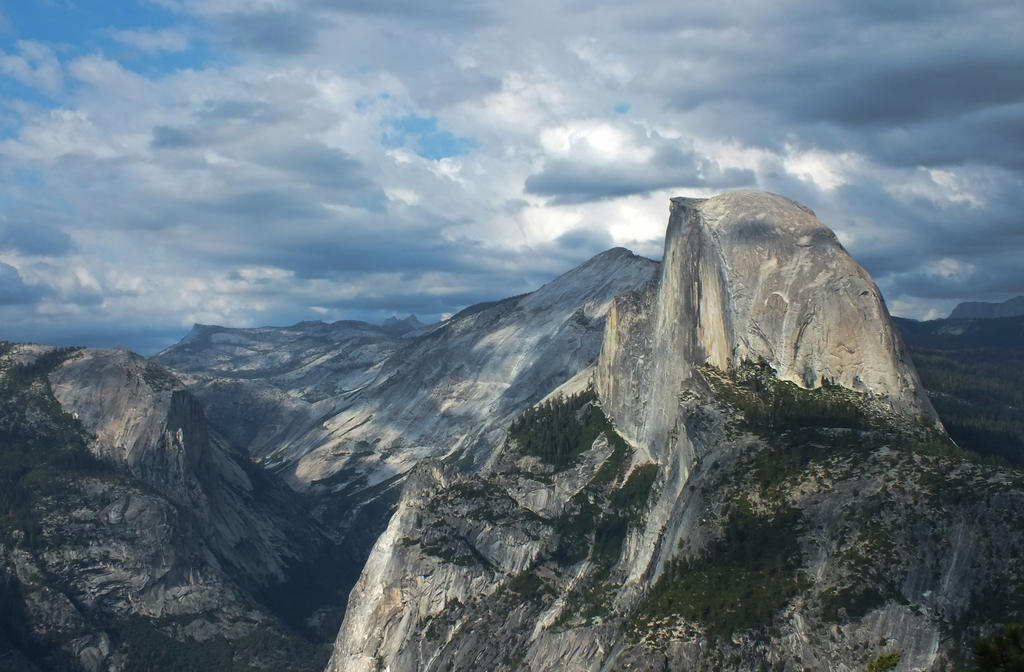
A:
359,404
749,276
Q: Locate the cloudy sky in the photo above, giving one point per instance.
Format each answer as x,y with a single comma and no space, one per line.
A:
241,162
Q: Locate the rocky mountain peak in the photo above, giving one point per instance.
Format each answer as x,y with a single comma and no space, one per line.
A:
776,284
114,394
751,276
196,333
397,326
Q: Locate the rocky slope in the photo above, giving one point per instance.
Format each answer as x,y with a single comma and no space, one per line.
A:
820,548
263,387
143,418
360,404
133,536
344,410
758,481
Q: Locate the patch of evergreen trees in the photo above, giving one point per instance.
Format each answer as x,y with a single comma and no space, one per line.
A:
740,581
1002,652
774,406
39,443
557,431
979,395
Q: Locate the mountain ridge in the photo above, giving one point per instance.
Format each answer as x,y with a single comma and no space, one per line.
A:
983,309
323,402
344,419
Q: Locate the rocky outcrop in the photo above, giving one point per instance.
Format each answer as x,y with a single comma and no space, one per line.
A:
142,417
749,276
131,531
454,542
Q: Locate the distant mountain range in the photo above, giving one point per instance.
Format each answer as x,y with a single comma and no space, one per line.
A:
980,309
963,333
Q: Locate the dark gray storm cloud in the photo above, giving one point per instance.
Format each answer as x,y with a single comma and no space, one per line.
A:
992,136
852,76
449,14
14,291
37,238
278,33
1001,275
169,137
916,91
579,181
324,166
588,239
303,237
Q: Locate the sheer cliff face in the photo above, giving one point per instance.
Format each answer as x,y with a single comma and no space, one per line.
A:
143,419
141,415
165,543
749,276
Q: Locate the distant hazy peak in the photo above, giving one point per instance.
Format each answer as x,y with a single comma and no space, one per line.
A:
396,326
982,309
196,332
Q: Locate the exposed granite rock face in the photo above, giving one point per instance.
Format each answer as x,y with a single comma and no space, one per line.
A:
265,388
749,276
164,541
761,380
455,541
454,390
142,417
884,546
351,405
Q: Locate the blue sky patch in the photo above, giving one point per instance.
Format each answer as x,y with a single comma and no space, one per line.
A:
422,135
78,23
73,29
